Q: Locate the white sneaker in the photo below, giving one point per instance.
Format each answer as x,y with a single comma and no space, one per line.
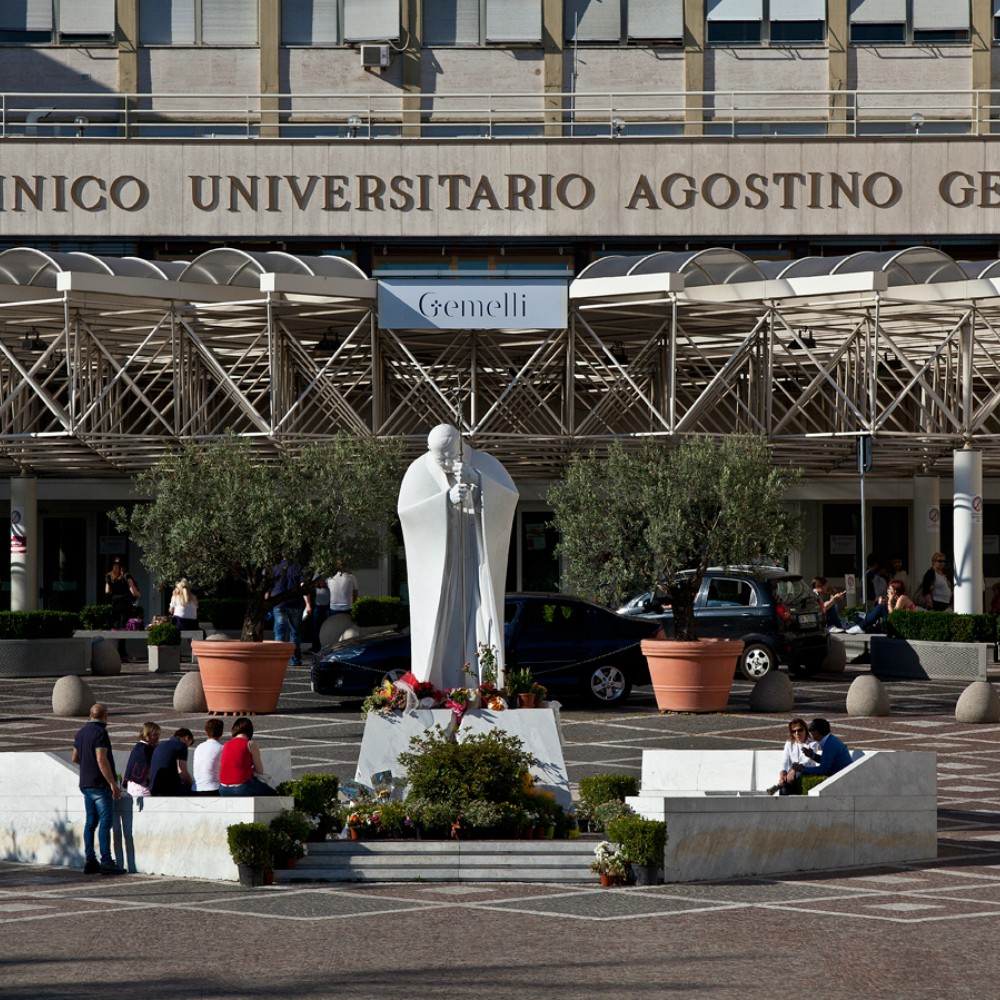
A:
835,628
855,630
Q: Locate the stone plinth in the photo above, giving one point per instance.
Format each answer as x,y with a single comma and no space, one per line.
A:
386,737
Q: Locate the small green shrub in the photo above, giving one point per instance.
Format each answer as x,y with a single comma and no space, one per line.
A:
164,634
223,612
433,818
642,840
491,766
38,624
289,829
316,796
96,617
608,812
367,612
395,819
942,626
250,844
811,781
598,788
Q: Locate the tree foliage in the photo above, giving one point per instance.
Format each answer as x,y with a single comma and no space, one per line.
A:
637,520
218,512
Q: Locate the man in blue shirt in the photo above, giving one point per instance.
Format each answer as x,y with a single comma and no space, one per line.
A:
99,785
168,770
833,754
288,613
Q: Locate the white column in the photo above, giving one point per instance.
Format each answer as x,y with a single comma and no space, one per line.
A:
968,518
926,528
24,548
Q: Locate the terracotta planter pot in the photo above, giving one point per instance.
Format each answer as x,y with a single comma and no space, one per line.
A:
355,834
526,700
692,676
611,880
242,677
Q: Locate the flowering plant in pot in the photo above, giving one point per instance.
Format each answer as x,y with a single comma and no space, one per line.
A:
610,863
233,511
656,518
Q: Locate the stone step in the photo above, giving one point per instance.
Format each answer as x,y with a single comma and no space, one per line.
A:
444,861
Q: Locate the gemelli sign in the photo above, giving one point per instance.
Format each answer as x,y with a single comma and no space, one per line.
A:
472,305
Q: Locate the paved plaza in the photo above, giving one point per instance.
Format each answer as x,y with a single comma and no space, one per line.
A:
913,931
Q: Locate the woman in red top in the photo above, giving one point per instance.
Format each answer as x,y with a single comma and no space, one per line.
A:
240,763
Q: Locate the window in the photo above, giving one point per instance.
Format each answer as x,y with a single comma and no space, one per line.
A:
766,22
65,22
478,22
371,20
310,22
920,22
197,22
624,21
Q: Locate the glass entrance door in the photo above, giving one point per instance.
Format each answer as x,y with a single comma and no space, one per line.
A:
64,563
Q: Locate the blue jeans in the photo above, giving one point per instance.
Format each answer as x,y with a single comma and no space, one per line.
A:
252,787
99,806
288,628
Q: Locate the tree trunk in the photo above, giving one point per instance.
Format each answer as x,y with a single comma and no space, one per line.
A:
682,595
253,622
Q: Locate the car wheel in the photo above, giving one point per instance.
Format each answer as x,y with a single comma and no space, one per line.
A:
607,685
758,659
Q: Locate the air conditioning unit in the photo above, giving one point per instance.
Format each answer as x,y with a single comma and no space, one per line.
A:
375,56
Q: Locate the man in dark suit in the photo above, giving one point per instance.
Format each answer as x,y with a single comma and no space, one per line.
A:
833,754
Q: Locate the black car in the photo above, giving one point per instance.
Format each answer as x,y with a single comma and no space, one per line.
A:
774,612
573,647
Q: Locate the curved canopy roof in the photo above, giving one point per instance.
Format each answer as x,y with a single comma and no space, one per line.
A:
222,266
722,266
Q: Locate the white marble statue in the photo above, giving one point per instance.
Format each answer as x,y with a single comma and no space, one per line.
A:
456,507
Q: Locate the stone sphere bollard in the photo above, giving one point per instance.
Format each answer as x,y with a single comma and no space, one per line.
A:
772,693
104,658
978,703
351,632
189,695
71,697
835,661
867,697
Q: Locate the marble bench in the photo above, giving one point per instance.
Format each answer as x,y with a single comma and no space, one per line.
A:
43,815
721,823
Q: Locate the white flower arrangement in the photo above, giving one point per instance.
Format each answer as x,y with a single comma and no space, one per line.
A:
609,859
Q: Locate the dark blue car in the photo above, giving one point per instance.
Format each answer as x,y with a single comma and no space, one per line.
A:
574,648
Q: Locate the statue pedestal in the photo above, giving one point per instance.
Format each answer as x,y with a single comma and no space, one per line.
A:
387,736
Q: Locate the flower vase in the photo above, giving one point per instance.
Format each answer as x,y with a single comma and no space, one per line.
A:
355,834
526,700
608,881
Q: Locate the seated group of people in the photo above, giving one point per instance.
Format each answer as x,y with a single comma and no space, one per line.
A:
894,599
158,767
812,750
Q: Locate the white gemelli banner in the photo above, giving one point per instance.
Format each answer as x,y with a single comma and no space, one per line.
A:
472,305
229,190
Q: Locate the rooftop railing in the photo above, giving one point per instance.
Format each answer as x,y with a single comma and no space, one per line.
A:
835,114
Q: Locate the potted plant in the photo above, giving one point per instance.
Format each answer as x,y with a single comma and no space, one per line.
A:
164,642
610,863
289,831
316,796
224,512
250,848
659,517
520,684
643,842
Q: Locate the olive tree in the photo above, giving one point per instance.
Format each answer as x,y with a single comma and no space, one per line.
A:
658,516
218,512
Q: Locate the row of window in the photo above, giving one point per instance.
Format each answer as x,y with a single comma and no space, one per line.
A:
480,22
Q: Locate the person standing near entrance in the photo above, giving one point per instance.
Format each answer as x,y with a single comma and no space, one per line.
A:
935,587
343,588
120,586
99,785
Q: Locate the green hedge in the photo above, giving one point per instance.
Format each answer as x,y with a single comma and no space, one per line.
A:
223,612
942,626
642,840
598,788
97,617
38,624
367,612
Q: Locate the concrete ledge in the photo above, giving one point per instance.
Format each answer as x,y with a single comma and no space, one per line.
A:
911,658
42,817
135,642
882,808
44,657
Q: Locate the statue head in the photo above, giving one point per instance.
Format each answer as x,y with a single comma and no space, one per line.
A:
445,444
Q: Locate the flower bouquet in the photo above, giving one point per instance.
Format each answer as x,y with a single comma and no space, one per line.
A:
384,700
610,863
365,819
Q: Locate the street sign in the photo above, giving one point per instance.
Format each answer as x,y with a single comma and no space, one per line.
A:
865,453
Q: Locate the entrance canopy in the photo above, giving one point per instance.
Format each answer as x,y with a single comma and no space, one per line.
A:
812,353
107,362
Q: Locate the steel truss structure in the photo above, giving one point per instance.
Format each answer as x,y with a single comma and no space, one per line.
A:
107,362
